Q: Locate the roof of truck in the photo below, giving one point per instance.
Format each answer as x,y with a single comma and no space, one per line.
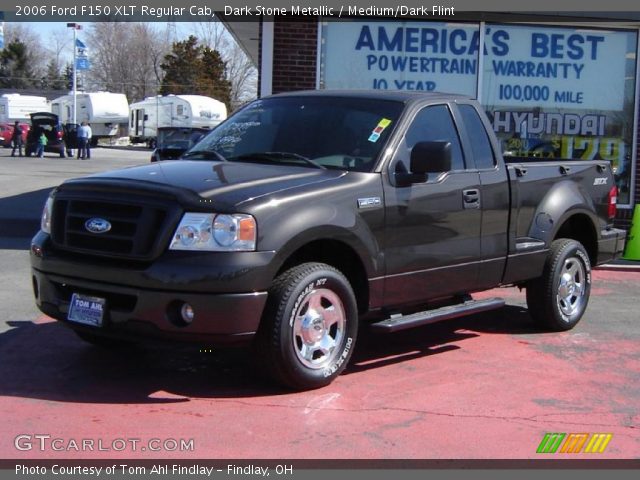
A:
394,95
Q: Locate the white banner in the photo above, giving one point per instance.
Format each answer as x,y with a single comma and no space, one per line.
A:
554,67
400,56
523,66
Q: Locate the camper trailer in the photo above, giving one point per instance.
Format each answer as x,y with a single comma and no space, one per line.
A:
14,106
106,112
188,111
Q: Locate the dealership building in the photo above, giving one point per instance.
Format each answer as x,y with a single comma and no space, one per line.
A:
555,86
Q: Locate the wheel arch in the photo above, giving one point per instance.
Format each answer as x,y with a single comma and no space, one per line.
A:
580,226
567,211
339,255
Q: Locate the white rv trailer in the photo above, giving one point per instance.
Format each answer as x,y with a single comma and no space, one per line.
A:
14,106
106,112
187,111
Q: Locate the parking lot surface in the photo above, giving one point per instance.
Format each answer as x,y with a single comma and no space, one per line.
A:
484,386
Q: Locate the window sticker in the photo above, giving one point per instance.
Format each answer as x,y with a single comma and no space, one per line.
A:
382,124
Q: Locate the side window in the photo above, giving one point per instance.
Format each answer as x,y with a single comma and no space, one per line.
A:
482,152
180,110
434,124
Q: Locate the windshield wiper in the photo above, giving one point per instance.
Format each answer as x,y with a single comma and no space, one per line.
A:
271,156
204,155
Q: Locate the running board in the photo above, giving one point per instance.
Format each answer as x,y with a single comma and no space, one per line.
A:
404,322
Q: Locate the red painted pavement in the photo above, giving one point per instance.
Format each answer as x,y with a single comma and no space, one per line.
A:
486,386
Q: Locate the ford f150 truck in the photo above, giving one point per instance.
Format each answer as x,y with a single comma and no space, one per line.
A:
307,215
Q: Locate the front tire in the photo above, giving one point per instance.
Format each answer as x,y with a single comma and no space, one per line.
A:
309,327
558,299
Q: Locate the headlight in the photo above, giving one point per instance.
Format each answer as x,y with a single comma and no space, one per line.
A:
45,221
211,232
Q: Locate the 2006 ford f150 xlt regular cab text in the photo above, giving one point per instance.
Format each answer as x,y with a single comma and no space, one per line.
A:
307,215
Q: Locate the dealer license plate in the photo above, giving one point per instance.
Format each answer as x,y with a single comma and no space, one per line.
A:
86,310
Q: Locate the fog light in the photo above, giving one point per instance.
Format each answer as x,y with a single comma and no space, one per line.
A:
186,313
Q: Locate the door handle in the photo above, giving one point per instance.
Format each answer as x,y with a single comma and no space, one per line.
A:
520,172
471,198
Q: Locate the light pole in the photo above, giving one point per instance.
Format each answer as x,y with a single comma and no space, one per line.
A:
76,27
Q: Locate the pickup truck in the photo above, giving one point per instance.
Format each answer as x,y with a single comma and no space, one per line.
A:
306,216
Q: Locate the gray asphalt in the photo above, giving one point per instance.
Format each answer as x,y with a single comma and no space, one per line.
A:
25,184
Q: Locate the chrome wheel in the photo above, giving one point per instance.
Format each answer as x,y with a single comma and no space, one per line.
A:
319,324
571,287
558,299
309,326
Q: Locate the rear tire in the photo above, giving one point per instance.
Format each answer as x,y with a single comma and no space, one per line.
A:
309,327
558,299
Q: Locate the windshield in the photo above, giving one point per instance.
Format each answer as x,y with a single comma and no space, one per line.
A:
315,132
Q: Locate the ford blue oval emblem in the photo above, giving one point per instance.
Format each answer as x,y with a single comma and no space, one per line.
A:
97,225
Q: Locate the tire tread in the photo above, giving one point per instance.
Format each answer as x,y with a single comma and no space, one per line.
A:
541,292
268,339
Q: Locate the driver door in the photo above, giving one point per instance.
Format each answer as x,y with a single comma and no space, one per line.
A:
432,230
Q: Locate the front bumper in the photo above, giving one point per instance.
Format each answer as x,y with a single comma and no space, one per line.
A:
611,245
227,293
137,314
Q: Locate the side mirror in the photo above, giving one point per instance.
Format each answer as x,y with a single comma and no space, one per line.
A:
431,157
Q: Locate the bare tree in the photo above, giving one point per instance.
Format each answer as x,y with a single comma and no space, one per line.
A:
243,75
151,48
125,58
240,71
211,34
60,42
36,53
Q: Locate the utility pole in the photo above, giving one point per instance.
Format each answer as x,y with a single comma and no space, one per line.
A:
76,27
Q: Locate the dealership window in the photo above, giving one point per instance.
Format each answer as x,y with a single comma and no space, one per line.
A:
429,56
551,92
563,93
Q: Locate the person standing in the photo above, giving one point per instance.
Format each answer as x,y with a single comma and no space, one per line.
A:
88,144
42,142
16,139
82,140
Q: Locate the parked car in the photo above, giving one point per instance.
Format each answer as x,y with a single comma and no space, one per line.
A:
62,138
306,216
6,133
174,141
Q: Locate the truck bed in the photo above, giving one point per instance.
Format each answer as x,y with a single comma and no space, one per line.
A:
544,194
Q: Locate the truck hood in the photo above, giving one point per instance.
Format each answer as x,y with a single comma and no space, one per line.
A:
232,183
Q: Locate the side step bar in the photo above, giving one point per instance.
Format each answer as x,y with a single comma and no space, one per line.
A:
404,322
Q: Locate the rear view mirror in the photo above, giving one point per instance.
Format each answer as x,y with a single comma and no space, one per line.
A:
431,157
